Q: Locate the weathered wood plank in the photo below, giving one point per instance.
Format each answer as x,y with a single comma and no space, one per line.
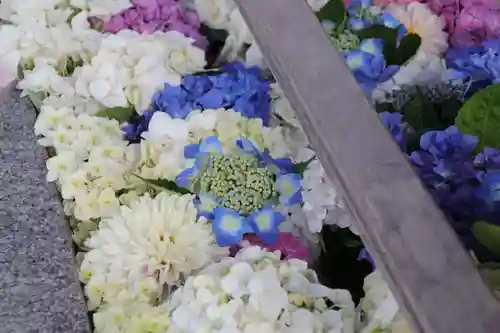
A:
429,271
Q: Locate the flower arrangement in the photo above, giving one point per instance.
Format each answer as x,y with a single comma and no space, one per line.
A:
195,200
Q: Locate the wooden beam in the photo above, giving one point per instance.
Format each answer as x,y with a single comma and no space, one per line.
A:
429,271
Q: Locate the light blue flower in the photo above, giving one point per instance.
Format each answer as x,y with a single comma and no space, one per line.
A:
356,24
248,146
187,178
228,227
265,224
209,145
371,46
205,204
289,187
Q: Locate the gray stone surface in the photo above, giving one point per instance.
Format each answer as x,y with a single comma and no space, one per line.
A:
39,288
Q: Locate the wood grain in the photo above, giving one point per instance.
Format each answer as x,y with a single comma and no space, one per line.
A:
429,271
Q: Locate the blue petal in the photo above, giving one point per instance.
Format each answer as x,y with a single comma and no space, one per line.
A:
192,150
289,187
186,178
202,162
211,145
389,21
205,204
357,59
213,99
357,23
372,46
265,224
228,227
247,146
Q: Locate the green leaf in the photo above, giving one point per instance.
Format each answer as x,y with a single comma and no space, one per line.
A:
488,235
389,38
480,116
164,184
120,114
333,11
491,276
302,166
408,47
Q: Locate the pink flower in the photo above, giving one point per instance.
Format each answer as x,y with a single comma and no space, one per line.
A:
469,22
387,2
288,244
148,16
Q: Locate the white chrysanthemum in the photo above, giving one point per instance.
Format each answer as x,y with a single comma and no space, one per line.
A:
421,70
153,242
419,19
381,311
131,317
258,292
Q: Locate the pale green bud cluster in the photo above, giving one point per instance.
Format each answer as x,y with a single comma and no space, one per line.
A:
346,41
239,182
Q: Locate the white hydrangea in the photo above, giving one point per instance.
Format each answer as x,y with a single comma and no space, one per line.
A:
142,247
130,67
45,79
92,160
257,292
131,317
44,12
322,204
101,8
380,312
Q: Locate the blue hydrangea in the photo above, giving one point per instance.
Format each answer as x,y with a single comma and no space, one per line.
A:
477,64
368,65
393,122
233,87
240,190
445,165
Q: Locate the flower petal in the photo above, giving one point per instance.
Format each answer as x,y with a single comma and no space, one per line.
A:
228,227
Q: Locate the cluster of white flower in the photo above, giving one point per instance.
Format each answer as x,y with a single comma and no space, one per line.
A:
91,159
258,292
379,310
322,204
154,242
130,67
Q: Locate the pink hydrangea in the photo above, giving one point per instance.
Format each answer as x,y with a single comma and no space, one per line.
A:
287,243
469,21
148,16
386,2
